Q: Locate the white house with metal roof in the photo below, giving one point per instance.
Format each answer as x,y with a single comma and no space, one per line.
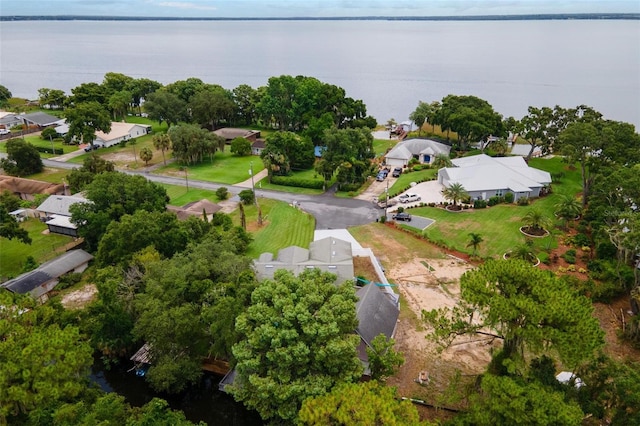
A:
484,177
423,150
121,132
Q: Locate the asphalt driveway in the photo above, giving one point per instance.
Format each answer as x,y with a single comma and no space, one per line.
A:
418,222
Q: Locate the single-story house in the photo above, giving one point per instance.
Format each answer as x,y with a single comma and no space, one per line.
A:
62,129
9,119
55,210
377,314
121,132
328,254
26,189
40,119
39,282
258,146
230,133
423,150
19,215
195,208
484,177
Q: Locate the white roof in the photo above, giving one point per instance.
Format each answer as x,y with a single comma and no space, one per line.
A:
61,221
481,173
565,377
118,131
408,148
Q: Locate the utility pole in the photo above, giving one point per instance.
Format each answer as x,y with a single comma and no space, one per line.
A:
53,150
255,196
386,202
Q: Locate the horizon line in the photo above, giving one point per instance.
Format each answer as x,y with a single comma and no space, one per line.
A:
546,16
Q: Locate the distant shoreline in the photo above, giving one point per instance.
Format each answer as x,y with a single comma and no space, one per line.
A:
530,17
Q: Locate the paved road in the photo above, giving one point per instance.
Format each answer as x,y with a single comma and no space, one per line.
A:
330,212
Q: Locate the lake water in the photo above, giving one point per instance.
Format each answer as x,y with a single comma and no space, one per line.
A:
390,65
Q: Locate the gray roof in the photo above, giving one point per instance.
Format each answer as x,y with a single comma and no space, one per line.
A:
292,255
411,147
41,118
330,250
59,204
48,271
376,313
481,173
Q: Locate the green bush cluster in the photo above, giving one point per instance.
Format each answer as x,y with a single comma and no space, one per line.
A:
69,280
348,186
523,201
570,256
479,204
508,197
495,200
304,183
49,150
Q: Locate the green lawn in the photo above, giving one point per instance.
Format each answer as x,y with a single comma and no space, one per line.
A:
406,178
39,142
499,225
179,196
225,168
13,253
51,175
380,146
283,226
302,174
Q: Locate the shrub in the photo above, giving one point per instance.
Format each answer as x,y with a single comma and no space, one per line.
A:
69,280
247,196
581,240
222,193
383,219
303,183
48,133
544,258
49,150
508,197
523,201
479,204
570,256
494,200
241,146
348,186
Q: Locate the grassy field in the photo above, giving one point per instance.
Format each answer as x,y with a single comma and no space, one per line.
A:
225,168
302,174
380,146
51,175
499,225
406,178
179,196
37,141
13,253
283,226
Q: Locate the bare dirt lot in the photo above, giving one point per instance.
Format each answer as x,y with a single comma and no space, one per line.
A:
79,298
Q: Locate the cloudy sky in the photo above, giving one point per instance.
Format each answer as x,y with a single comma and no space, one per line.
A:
309,8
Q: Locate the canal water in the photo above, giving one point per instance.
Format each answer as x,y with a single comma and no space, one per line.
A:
201,402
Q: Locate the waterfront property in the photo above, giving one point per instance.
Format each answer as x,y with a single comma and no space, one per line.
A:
423,150
484,177
230,133
121,132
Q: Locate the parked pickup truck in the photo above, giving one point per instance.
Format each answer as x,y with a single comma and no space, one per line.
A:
397,172
402,216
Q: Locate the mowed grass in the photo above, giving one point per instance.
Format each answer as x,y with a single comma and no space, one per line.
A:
51,175
37,141
179,195
283,226
13,253
406,178
381,146
223,167
500,225
309,174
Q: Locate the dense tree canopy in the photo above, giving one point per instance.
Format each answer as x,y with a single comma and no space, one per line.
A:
92,165
112,195
348,152
23,159
191,143
5,95
211,106
295,152
190,302
10,228
53,98
164,106
84,119
298,341
529,309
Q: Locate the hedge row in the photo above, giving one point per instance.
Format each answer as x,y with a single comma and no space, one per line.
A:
297,182
49,150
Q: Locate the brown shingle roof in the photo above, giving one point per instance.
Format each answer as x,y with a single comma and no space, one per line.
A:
29,186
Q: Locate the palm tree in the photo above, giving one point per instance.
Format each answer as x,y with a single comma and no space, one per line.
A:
535,222
455,192
441,160
524,252
568,208
162,142
474,241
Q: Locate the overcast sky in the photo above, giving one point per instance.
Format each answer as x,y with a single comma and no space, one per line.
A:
309,8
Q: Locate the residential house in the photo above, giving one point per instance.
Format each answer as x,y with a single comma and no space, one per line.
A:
195,208
9,120
328,254
230,133
40,120
26,189
377,314
423,150
55,211
258,146
484,177
39,282
121,132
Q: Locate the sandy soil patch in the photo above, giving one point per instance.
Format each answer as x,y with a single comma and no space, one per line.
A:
80,298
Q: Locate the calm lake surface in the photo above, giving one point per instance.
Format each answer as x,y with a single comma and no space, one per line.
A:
390,65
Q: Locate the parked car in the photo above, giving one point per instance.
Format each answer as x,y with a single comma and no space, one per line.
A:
385,204
4,131
397,172
381,176
402,216
409,198
91,147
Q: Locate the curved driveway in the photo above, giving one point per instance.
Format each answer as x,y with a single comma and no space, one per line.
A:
330,212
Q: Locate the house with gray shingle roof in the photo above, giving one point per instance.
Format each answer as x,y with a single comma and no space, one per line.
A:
423,150
55,210
328,254
39,282
484,177
41,119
